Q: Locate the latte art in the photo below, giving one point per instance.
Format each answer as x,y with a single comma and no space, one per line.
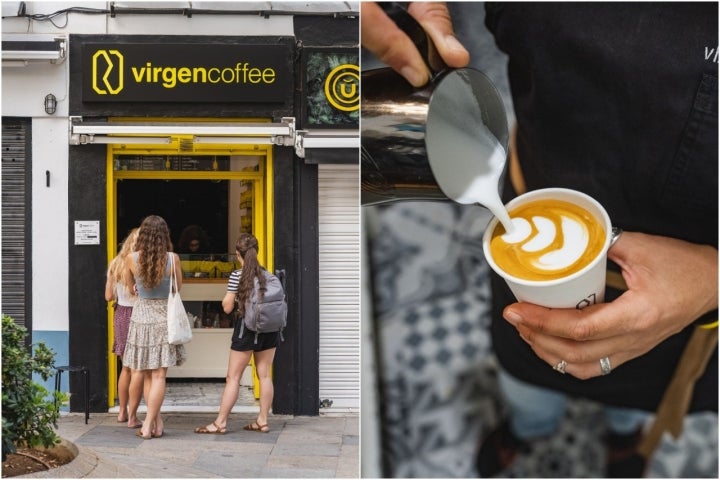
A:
551,239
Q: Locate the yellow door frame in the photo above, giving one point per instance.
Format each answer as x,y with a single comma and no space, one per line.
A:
263,217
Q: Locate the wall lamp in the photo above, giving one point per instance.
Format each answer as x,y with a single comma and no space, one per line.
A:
50,104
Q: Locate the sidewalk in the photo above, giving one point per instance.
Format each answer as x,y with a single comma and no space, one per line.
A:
296,447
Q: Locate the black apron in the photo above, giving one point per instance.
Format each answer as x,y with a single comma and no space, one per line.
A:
617,100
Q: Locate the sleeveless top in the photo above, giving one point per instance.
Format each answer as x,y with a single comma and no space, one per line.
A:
160,291
124,297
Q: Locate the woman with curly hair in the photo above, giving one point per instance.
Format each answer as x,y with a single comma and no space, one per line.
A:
124,298
147,350
241,283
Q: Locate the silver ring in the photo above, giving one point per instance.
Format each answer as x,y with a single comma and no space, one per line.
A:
560,367
605,365
615,234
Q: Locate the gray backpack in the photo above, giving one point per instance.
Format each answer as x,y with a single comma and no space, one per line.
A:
269,314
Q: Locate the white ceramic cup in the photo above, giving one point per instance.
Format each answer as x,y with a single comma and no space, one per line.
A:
577,290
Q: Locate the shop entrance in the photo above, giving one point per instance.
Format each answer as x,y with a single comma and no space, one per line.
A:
208,196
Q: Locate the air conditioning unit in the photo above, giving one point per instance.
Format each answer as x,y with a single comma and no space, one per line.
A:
21,50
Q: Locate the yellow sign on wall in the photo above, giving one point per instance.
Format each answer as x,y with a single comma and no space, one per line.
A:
332,86
342,87
186,72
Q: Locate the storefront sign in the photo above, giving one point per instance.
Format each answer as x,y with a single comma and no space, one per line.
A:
342,87
142,72
333,88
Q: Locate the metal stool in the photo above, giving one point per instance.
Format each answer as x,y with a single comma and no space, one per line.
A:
86,384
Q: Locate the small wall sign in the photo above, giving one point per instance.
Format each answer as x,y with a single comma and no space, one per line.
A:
87,232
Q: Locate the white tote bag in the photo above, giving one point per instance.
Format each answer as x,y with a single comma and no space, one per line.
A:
179,330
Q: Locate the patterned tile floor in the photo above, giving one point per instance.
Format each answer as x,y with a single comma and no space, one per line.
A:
438,376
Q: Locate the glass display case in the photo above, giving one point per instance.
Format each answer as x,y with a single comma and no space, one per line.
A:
208,265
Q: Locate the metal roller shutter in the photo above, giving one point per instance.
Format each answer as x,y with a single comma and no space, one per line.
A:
15,138
339,237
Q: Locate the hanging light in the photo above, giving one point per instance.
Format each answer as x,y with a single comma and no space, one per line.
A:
50,104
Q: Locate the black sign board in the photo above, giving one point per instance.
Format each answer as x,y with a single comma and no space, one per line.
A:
331,86
145,72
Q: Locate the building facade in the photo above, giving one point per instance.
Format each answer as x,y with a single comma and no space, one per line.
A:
212,114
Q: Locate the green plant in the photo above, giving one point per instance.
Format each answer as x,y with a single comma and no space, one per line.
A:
28,415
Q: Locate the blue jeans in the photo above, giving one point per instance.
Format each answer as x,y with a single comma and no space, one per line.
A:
537,411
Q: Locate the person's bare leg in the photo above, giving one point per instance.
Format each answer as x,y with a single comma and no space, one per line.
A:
135,392
236,365
263,364
153,423
123,393
147,384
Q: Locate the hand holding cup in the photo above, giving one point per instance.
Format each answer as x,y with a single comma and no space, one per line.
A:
670,283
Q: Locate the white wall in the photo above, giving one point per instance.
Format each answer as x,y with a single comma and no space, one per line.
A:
24,90
201,25
64,24
171,24
23,93
50,225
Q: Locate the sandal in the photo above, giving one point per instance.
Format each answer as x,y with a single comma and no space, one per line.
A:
256,427
138,433
217,431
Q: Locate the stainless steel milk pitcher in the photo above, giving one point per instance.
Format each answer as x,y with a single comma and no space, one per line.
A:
408,134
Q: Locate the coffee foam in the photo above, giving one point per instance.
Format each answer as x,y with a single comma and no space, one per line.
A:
551,239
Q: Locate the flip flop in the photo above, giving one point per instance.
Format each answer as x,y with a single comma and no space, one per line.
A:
217,431
138,433
135,425
157,435
256,427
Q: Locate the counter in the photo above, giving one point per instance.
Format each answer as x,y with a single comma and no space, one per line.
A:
209,349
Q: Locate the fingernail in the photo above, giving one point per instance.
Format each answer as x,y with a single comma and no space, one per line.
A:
512,316
415,77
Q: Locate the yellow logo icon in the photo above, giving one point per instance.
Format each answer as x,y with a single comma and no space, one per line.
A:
111,81
342,87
